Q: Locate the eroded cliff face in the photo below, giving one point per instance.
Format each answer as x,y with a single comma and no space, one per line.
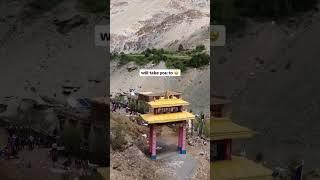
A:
138,24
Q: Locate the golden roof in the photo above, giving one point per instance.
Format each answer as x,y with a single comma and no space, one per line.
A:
239,168
165,118
224,128
163,102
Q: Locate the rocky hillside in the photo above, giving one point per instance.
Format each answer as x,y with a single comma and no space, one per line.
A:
271,73
138,24
194,83
42,51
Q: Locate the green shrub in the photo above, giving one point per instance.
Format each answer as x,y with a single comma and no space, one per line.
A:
118,141
200,48
147,51
172,59
157,59
142,107
199,60
180,48
147,54
176,64
205,126
161,51
132,104
114,55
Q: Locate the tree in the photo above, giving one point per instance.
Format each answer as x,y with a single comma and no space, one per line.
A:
153,50
200,48
180,48
147,51
164,58
199,60
147,54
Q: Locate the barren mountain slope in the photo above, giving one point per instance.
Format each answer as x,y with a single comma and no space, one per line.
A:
44,55
136,25
272,75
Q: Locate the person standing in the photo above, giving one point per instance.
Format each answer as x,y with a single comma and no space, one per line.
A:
54,154
31,142
12,144
201,124
7,152
38,142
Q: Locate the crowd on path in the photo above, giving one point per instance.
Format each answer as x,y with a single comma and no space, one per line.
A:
117,106
81,166
16,143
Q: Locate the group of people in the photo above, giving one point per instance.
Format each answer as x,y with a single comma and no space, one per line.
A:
16,143
78,164
118,106
115,106
82,167
81,164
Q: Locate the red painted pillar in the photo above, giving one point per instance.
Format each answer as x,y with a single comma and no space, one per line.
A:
150,138
179,137
153,142
183,138
228,149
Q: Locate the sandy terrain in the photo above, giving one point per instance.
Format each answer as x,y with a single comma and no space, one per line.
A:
137,25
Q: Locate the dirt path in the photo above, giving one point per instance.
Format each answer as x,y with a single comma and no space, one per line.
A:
176,166
40,166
